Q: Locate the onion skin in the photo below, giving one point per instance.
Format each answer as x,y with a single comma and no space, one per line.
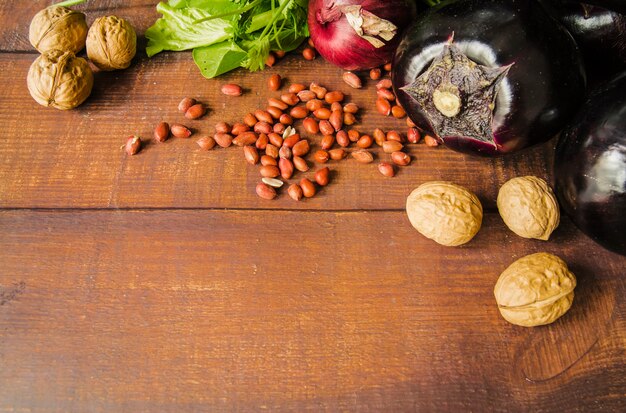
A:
546,82
338,42
590,167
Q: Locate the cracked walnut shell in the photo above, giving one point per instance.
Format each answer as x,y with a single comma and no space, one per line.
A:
444,212
58,28
535,290
111,43
528,207
60,80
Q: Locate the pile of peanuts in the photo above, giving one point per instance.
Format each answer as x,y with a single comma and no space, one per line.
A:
269,139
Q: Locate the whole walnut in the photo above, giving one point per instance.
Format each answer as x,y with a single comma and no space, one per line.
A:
58,28
60,79
528,207
444,212
111,43
535,290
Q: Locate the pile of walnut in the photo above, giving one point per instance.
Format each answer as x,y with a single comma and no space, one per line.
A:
534,290
268,136
60,79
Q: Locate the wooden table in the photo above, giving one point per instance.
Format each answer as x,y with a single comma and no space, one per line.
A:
162,283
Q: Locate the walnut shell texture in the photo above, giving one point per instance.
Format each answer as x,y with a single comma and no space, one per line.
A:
535,290
58,28
111,43
445,212
528,207
60,79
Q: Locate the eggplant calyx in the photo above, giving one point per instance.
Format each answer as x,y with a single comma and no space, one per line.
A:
368,26
458,95
447,99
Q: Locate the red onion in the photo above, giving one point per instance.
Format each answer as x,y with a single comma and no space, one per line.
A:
357,35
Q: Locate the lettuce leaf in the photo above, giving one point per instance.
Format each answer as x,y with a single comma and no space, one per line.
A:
218,58
177,29
226,34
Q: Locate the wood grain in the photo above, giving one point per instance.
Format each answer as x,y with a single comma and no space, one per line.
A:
162,283
72,159
235,310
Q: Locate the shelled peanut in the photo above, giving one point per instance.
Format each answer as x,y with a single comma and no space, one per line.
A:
270,141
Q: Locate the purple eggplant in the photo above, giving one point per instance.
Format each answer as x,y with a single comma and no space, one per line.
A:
489,77
600,33
618,6
590,167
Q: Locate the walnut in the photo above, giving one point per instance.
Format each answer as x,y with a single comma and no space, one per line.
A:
60,79
444,212
528,207
535,290
111,43
58,28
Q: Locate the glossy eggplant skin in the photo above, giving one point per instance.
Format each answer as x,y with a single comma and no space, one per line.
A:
618,6
590,167
546,81
599,32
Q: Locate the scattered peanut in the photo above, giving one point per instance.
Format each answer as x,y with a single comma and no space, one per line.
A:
430,141
265,191
386,169
286,168
308,53
269,171
273,182
413,135
322,176
185,104
162,132
295,192
352,80
196,111
337,154
300,164
231,89
308,188
180,131
363,156
251,154
222,127
274,82
301,148
223,139
383,107
321,156
400,158
392,146
206,143
133,145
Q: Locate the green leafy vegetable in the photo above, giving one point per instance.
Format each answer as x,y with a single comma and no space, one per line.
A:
226,34
68,3
177,30
218,58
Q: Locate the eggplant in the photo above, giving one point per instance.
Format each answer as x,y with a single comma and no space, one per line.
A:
590,166
599,32
618,6
489,77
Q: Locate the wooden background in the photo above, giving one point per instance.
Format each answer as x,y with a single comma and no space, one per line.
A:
162,283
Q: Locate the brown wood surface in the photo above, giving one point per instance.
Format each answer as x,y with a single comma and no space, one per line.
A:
162,283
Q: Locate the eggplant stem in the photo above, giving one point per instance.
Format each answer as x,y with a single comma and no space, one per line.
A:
447,99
